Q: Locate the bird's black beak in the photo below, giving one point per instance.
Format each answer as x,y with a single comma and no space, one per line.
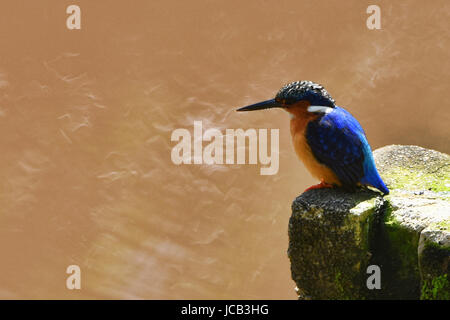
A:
262,105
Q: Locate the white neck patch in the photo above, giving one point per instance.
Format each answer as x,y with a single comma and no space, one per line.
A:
321,109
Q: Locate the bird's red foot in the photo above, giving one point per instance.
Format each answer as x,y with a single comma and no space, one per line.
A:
320,186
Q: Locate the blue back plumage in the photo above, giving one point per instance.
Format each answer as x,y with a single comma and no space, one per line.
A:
338,141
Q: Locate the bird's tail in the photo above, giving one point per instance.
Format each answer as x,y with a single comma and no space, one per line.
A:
375,181
372,177
381,186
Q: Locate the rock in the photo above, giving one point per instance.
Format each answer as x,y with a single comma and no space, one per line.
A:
434,258
334,235
329,242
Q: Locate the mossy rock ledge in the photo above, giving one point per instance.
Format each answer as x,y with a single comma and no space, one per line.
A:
335,235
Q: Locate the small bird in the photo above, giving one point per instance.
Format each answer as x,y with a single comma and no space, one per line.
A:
327,138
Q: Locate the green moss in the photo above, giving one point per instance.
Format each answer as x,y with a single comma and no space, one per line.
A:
397,256
338,283
436,289
434,261
406,179
404,244
328,247
433,258
388,216
436,246
443,225
345,288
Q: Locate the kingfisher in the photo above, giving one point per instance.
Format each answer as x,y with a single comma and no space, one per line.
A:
327,138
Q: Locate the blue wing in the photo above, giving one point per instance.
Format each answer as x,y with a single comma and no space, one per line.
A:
338,141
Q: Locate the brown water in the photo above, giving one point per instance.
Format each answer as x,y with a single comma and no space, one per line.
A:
86,118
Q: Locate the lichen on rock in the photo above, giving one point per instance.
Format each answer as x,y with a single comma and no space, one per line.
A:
335,234
331,264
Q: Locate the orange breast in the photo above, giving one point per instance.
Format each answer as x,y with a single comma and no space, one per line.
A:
318,170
